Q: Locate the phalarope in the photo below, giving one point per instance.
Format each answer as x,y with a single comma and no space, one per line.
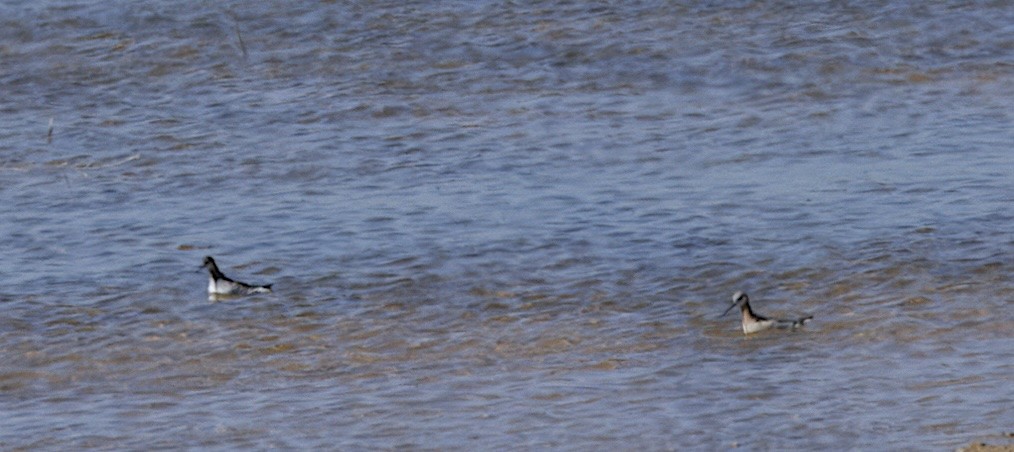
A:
753,323
219,284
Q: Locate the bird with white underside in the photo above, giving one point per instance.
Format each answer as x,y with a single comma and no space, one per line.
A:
753,322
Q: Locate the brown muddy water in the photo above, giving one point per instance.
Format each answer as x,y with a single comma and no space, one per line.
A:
501,226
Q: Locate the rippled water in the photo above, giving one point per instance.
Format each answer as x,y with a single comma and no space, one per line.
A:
506,225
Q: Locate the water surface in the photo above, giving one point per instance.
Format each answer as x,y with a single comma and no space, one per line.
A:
505,226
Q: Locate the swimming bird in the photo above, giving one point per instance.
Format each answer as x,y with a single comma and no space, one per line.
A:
219,284
753,323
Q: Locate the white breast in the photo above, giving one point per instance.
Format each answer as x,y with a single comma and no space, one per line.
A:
753,327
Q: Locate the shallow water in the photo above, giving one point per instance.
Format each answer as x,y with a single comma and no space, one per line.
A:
505,226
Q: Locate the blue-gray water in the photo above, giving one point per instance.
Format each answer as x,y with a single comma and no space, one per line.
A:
506,225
